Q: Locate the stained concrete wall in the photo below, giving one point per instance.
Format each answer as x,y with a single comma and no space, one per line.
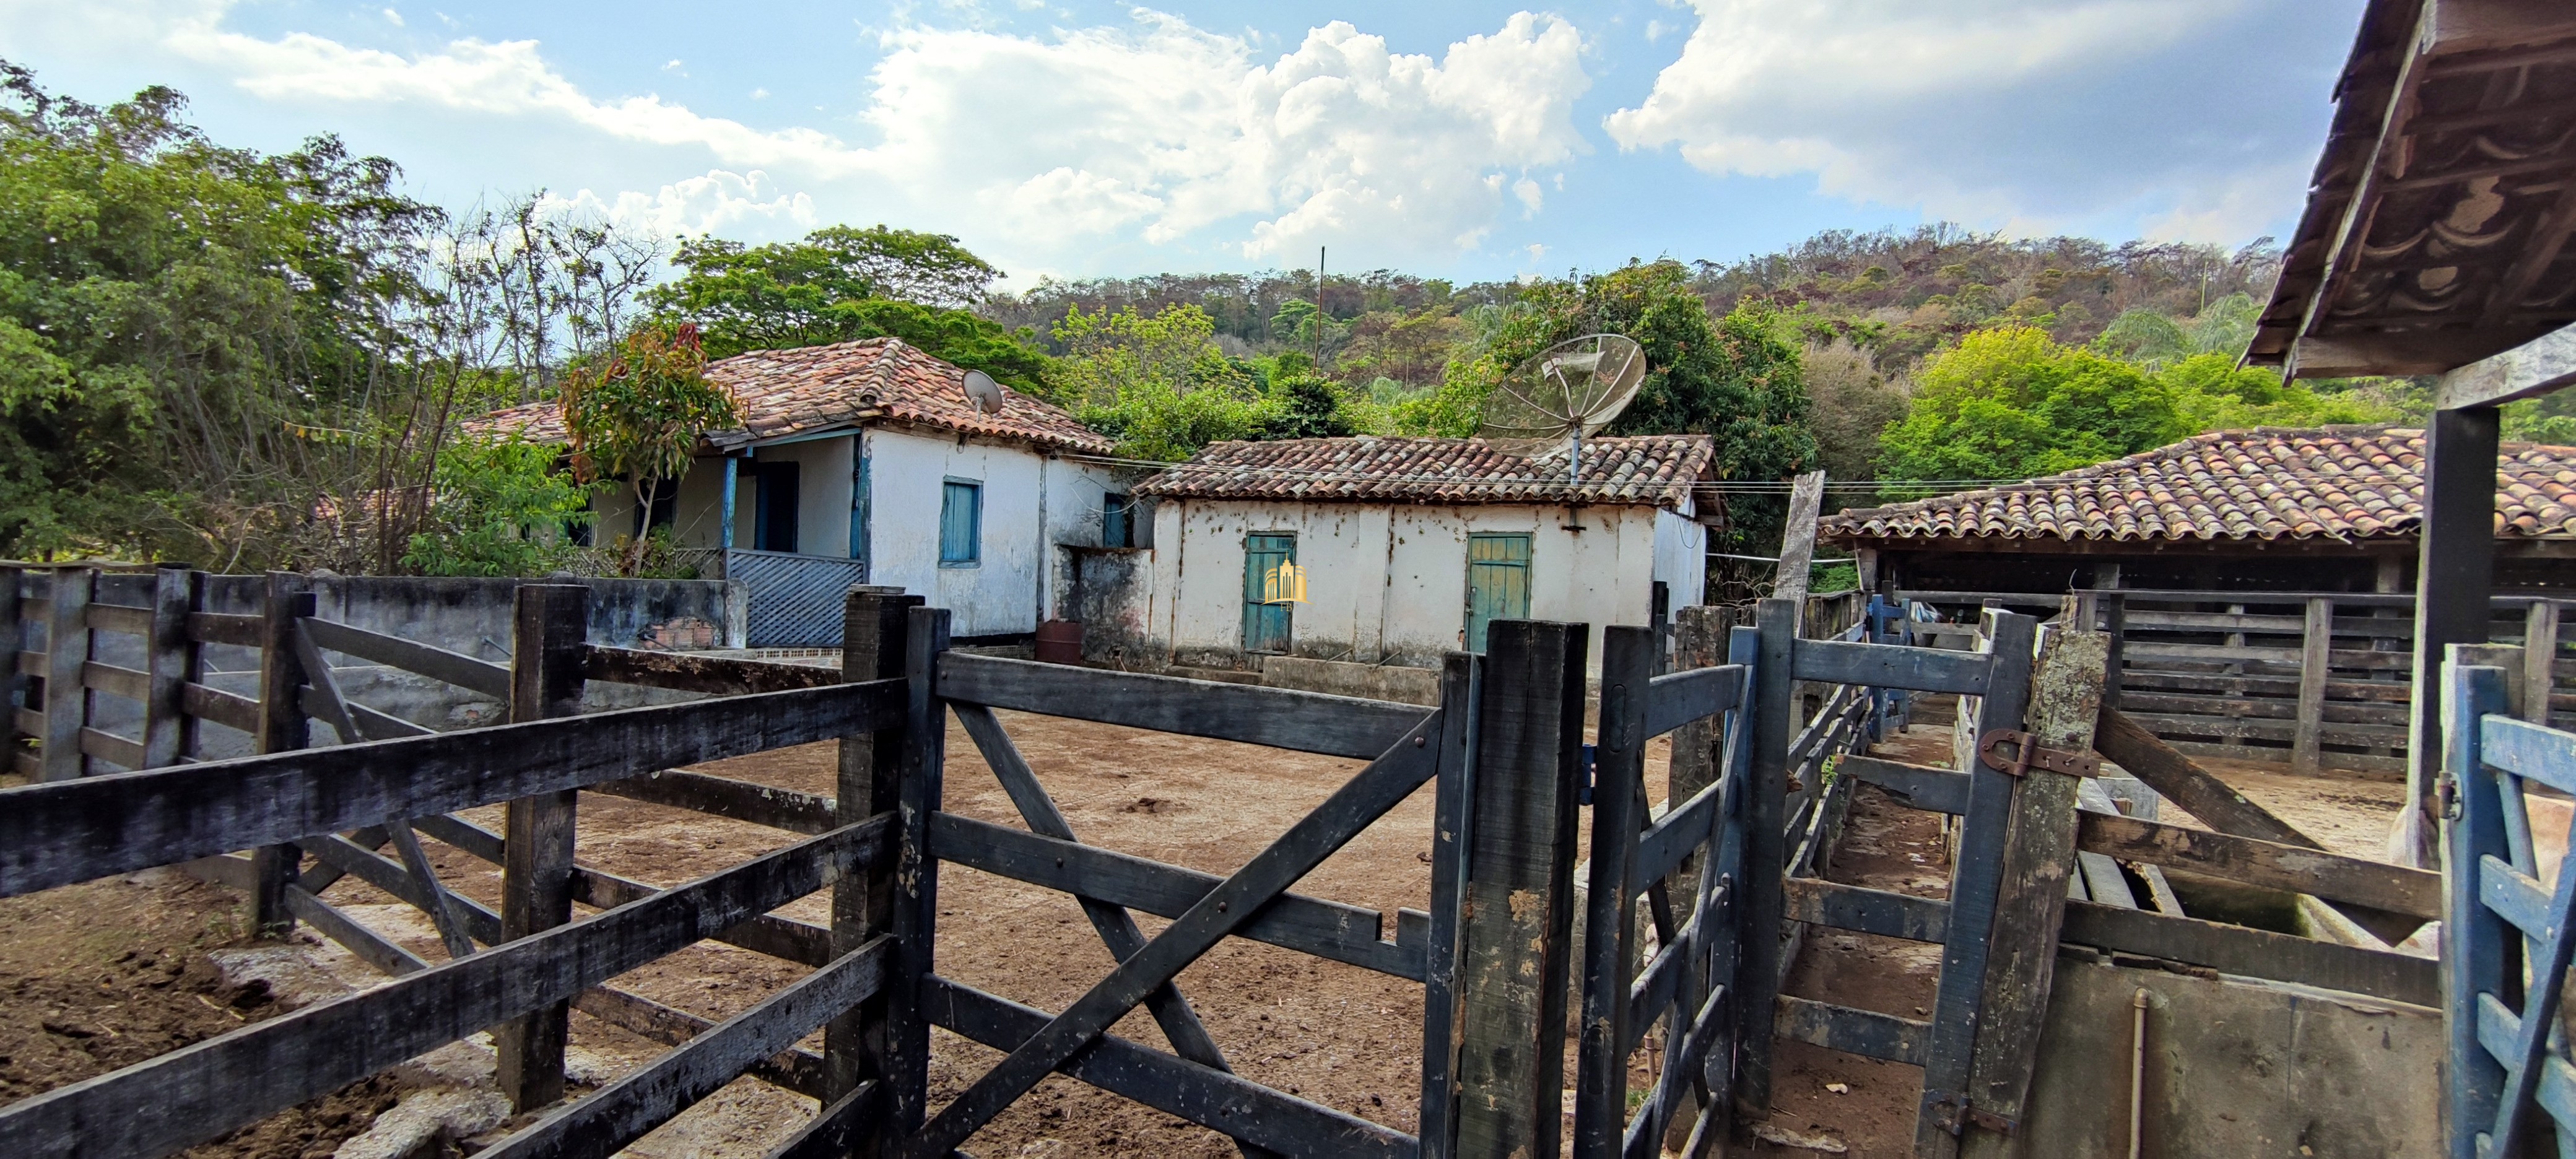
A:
2234,1068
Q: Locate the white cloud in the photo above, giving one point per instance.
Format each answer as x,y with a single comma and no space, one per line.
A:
395,17
719,202
2017,113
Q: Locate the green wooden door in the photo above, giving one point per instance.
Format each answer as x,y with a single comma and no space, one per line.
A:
1265,624
1497,583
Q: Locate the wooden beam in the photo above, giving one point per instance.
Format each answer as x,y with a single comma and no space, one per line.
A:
856,1047
1758,966
2540,366
2317,641
725,797
710,674
1867,1033
13,656
1798,537
546,660
2413,892
2256,953
66,705
1461,687
412,656
283,727
1342,726
2455,577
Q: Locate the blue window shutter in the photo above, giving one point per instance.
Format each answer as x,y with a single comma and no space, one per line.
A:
961,523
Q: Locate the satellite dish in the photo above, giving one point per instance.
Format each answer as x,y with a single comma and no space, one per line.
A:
982,393
1563,393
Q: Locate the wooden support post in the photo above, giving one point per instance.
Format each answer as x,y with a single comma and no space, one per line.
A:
1519,890
13,683
2115,624
66,651
2539,652
1798,537
873,623
172,664
547,637
1975,878
1618,799
2479,953
1757,969
282,728
2454,574
1460,679
2030,905
2315,648
915,921
1699,748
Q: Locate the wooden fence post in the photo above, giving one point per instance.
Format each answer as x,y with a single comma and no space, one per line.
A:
915,921
2539,652
171,664
548,629
2315,650
282,728
1699,641
66,651
1460,680
1618,796
1757,969
2030,905
873,622
2453,577
1519,891
13,682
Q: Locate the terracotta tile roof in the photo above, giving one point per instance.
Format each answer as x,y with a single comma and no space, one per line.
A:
2334,482
817,388
1655,470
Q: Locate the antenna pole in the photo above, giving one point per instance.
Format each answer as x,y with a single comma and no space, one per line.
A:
1574,461
1319,309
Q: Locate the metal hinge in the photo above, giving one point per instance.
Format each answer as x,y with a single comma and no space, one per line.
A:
1953,1114
1992,1121
2017,752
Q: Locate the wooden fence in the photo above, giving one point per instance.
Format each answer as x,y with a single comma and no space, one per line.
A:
2315,680
1733,863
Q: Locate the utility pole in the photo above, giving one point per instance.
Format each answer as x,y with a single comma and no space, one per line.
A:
1319,309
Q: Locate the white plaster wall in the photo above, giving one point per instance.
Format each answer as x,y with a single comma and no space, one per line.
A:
698,518
823,485
1681,558
1389,583
905,470
1073,504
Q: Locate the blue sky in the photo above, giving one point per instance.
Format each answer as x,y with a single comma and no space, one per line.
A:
1462,140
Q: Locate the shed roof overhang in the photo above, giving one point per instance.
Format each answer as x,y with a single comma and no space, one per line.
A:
2437,222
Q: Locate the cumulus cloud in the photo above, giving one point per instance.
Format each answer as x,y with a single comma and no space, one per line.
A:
718,202
2023,114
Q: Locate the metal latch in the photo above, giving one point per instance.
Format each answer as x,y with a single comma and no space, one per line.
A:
2017,752
1992,1121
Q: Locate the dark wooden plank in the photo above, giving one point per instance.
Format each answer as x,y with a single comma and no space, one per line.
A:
2530,751
1118,931
1618,812
1461,679
224,708
13,646
875,629
224,628
2455,578
1673,838
401,880
725,797
1311,722
1351,808
437,663
203,1091
370,947
2298,869
2318,631
132,684
474,840
171,661
28,721
222,869
2515,896
1890,666
118,618
320,697
1867,1033
445,909
840,1130
1326,929
625,1110
57,834
546,654
801,942
283,728
1518,892
376,725
915,923
2039,863
108,746
717,675
1678,698
1222,1102
66,703
800,1071
2480,956
1975,877
1868,911
2258,953
1917,786
1760,956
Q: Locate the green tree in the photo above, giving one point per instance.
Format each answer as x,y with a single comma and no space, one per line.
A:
498,508
1736,378
1155,383
638,416
840,285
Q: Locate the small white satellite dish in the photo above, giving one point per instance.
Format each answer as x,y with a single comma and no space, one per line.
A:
983,393
1562,394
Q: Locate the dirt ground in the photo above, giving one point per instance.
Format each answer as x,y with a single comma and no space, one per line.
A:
1329,1033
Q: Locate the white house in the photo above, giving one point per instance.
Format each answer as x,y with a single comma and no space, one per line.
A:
865,462
1408,547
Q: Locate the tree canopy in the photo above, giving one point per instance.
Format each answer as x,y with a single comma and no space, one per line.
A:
841,284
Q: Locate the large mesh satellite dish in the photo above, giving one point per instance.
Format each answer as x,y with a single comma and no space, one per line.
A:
983,393
1563,393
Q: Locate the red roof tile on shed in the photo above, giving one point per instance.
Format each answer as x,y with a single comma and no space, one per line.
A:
1655,470
816,388
2333,482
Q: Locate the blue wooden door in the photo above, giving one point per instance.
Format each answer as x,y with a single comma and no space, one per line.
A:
1265,621
1497,583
